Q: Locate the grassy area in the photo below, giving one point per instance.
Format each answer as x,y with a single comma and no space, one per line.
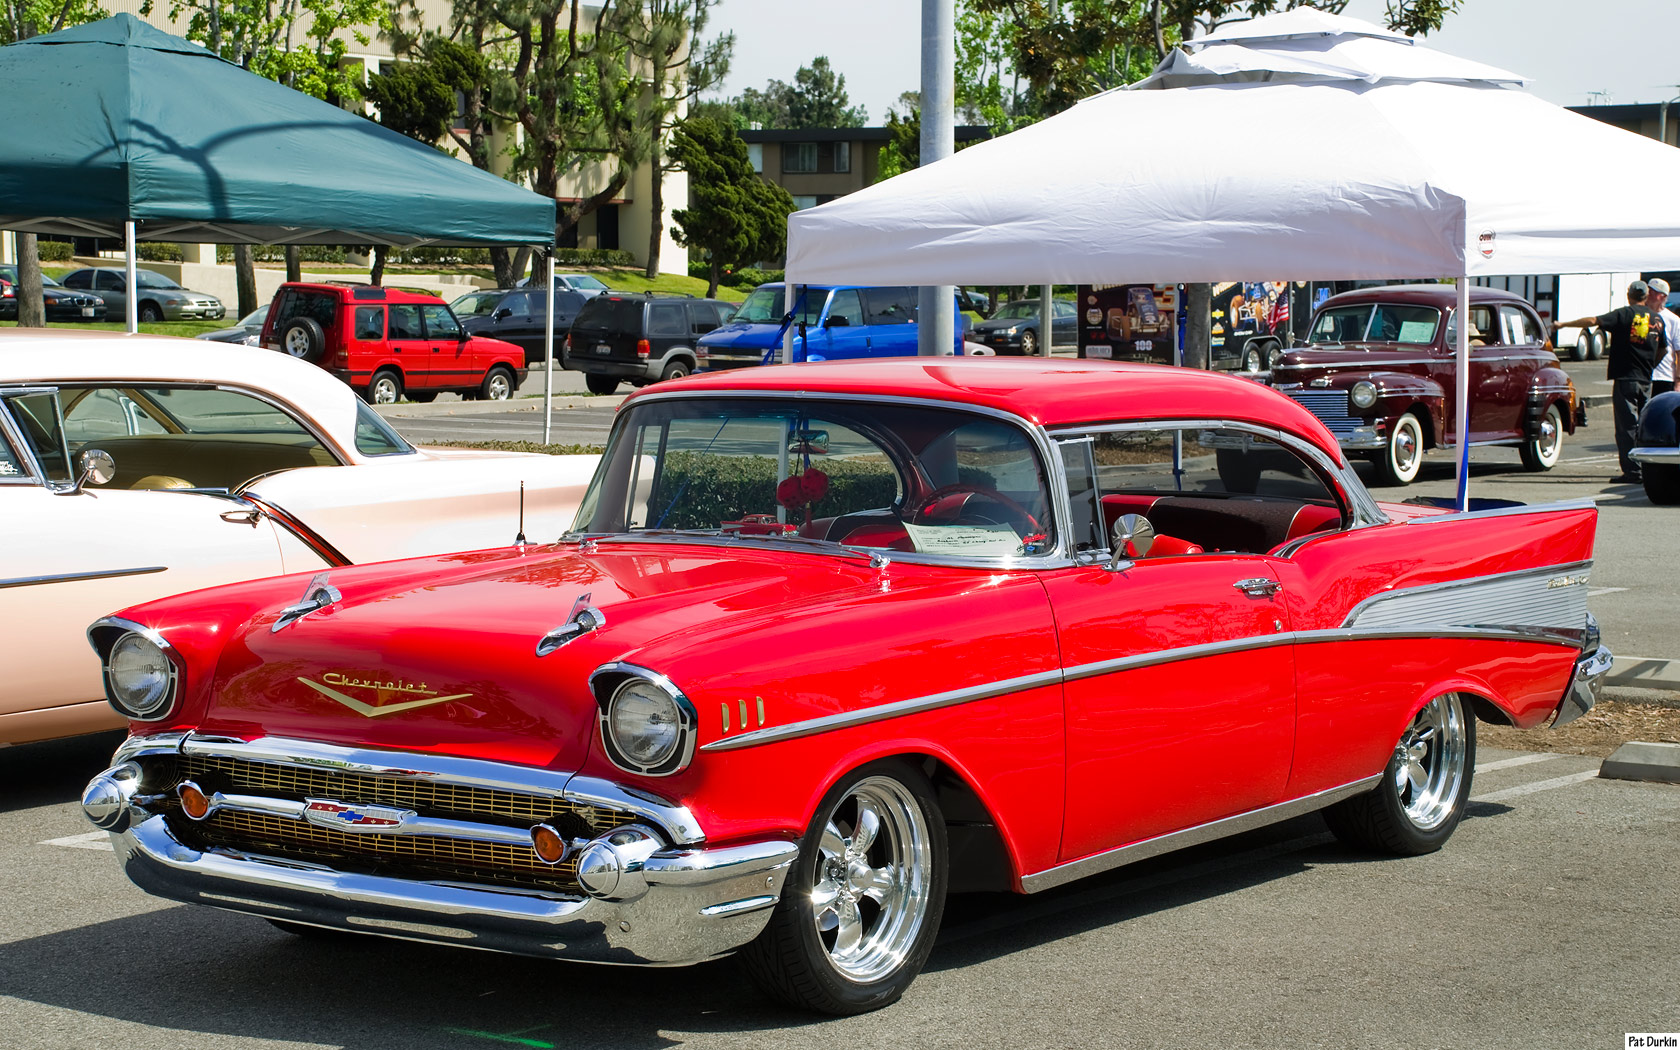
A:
181,328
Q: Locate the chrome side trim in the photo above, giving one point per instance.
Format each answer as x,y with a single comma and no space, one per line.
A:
71,577
1548,597
1655,454
1167,656
882,712
1501,512
1062,874
676,821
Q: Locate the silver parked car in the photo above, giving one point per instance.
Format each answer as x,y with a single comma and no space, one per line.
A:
247,330
160,298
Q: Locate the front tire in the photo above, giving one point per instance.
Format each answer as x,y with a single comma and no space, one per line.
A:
1421,798
497,385
1029,344
1662,483
150,313
1400,461
385,388
861,906
1544,449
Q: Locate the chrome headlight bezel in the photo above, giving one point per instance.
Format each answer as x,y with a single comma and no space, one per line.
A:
616,684
106,636
1363,394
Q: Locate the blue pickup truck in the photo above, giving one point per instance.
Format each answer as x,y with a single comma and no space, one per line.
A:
829,322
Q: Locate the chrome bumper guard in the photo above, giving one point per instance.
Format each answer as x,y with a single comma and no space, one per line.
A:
1584,686
1655,454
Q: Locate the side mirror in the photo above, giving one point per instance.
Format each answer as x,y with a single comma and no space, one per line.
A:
503,312
98,468
1131,531
462,335
837,322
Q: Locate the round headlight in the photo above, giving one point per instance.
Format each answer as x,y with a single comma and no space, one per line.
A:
1363,394
645,724
141,677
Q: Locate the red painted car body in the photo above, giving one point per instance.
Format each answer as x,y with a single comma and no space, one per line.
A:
949,608
1400,342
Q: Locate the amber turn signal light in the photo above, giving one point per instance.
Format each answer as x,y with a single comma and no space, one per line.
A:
549,846
194,802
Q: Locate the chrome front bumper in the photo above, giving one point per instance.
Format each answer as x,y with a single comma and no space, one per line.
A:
1655,455
1584,686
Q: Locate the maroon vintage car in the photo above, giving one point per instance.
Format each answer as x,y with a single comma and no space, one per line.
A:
1379,370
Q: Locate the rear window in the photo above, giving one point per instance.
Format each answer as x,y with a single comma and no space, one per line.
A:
667,319
889,305
322,307
619,315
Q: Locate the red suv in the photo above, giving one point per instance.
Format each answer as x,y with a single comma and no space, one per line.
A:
385,343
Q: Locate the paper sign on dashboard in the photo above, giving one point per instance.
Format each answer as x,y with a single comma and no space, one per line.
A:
982,540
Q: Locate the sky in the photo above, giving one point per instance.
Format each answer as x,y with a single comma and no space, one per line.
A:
1627,48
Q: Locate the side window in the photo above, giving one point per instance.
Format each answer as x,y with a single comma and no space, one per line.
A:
1203,490
701,318
888,306
374,436
105,412
1518,327
405,321
370,323
440,323
37,416
1484,328
846,305
109,281
667,319
79,279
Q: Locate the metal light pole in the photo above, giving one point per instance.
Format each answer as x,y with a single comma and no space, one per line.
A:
936,328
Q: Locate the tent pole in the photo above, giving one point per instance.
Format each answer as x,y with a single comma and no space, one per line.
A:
548,355
131,268
1046,321
787,312
1463,394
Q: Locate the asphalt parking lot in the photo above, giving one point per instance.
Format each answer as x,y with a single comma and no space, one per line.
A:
1549,920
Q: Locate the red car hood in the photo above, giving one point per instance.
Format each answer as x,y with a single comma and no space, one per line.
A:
446,661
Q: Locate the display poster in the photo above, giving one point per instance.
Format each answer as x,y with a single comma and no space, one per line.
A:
1128,322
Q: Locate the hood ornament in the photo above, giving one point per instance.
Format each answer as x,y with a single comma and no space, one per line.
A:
427,696
318,595
582,619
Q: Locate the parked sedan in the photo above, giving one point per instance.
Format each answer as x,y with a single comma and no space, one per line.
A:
826,643
1014,328
248,330
204,465
582,283
516,316
160,298
62,304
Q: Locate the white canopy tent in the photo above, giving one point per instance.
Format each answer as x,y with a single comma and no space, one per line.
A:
1299,146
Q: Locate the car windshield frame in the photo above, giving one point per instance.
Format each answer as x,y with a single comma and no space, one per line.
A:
919,439
763,305
155,280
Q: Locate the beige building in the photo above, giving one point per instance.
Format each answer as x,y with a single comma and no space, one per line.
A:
816,165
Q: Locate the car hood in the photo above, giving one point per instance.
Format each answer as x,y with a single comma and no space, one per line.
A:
740,335
440,654
490,342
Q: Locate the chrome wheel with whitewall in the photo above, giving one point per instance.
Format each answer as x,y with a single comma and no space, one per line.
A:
1543,450
1401,459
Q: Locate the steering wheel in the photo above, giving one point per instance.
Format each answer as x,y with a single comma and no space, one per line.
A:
920,512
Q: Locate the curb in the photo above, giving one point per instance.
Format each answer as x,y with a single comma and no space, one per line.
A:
1596,400
519,404
1638,760
1644,672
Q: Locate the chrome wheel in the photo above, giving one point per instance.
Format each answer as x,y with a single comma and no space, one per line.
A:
873,869
297,342
1429,763
1541,452
1399,463
497,387
384,390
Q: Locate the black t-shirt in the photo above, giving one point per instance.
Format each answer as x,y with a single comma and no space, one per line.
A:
1637,342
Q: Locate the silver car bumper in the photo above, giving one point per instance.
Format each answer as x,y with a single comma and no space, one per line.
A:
644,901
1584,686
1655,455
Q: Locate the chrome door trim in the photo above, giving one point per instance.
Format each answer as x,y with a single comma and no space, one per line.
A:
1062,874
71,577
1501,512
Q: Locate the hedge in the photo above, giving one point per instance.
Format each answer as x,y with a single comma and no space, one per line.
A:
158,251
716,489
593,257
54,251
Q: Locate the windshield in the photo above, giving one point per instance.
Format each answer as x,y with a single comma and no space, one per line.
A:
9,274
1020,310
1377,323
903,478
587,283
476,304
764,305
149,279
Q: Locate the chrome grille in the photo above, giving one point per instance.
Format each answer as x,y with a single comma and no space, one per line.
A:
1331,408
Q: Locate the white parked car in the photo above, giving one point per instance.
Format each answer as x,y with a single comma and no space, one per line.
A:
221,464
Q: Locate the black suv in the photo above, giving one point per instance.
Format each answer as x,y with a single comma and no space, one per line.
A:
516,315
642,338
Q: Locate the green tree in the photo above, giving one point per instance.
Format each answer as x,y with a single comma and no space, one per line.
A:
817,98
20,20
734,216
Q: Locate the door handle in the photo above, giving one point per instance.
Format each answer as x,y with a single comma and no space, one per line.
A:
241,517
1258,587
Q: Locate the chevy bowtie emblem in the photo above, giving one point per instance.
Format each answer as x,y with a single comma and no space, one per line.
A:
343,817
381,690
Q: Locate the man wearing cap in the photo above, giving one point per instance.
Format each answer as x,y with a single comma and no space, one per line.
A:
1662,377
1637,343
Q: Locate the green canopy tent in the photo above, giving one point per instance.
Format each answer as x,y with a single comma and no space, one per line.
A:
118,129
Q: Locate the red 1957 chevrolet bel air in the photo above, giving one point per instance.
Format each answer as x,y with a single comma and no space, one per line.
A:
828,642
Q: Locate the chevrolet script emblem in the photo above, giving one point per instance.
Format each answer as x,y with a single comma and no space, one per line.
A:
342,817
381,690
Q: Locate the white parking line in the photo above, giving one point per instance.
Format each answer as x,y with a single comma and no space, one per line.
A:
91,840
1507,763
1596,591
1538,785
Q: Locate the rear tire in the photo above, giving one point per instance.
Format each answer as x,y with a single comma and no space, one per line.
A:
385,388
1400,461
861,906
1583,348
1423,791
598,384
1253,359
1543,451
497,385
1662,483
1596,347
304,339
